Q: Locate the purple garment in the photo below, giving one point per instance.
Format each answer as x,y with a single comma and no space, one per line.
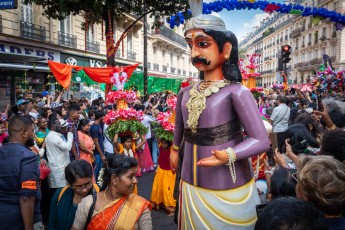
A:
231,102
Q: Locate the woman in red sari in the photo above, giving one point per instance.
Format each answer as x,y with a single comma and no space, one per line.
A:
116,207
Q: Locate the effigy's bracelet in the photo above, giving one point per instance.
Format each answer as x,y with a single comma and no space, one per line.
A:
231,164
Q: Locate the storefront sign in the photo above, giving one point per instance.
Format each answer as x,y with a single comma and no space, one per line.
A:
6,4
30,51
82,61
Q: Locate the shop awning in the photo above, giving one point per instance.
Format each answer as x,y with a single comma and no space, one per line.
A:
23,62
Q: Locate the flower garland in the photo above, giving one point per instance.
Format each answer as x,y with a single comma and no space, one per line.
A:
171,102
128,96
123,114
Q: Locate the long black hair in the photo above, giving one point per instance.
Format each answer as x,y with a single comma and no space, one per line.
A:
77,169
82,123
231,70
117,164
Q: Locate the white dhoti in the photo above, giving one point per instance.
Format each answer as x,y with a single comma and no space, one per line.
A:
217,209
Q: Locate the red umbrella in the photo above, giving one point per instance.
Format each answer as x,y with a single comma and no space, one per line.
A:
306,88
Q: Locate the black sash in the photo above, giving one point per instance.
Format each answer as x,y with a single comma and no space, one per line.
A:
214,135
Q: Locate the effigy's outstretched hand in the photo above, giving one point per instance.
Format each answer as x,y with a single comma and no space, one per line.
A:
219,157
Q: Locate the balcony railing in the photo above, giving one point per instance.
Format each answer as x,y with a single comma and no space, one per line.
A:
165,68
171,35
131,56
149,65
172,69
334,35
67,40
156,67
296,32
32,31
184,72
92,46
178,71
0,24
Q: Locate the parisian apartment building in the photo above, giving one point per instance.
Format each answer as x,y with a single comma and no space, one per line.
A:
28,40
309,39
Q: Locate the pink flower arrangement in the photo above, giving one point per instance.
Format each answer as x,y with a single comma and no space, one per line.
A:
172,102
256,90
123,114
162,119
168,126
128,96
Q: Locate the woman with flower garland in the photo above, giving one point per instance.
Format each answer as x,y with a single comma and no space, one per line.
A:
164,182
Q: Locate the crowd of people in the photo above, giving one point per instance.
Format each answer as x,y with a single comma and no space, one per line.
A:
307,162
70,138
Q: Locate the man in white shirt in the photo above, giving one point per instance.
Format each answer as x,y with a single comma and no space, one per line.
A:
280,120
57,149
108,144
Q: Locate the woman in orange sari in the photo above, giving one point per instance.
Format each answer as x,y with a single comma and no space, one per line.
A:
86,142
116,207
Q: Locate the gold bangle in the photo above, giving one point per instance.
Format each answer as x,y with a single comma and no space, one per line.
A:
231,164
176,148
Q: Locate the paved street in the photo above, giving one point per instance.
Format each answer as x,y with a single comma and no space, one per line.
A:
160,219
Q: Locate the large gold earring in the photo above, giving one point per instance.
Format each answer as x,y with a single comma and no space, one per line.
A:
226,57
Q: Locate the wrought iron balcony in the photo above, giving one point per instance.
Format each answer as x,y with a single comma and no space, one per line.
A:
334,35
67,40
296,32
131,55
171,35
149,65
156,67
32,31
92,46
165,68
172,69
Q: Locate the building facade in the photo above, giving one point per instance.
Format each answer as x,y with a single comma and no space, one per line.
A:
28,40
309,39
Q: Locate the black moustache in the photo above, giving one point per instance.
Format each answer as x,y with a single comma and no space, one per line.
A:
200,59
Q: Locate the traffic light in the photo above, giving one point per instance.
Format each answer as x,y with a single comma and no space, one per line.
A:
286,51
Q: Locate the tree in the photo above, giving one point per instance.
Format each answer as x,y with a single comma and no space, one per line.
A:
96,11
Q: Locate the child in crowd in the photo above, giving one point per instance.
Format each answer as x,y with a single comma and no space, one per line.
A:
164,182
129,148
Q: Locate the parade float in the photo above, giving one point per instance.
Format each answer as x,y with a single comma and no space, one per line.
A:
123,120
249,74
329,80
165,125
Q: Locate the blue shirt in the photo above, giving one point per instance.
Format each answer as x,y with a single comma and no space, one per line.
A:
96,131
19,176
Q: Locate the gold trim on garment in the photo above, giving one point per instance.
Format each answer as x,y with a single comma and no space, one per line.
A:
197,100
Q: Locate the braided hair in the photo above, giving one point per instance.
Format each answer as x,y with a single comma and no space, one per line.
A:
117,164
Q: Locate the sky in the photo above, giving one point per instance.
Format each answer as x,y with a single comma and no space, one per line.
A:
242,22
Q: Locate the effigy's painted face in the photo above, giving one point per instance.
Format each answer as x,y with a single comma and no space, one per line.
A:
205,54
